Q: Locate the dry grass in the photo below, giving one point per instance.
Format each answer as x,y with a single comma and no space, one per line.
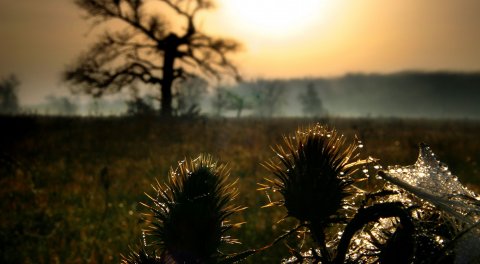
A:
57,208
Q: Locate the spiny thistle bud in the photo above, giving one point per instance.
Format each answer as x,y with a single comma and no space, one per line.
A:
189,214
140,256
313,173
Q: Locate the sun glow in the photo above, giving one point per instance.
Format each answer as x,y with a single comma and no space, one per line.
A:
276,18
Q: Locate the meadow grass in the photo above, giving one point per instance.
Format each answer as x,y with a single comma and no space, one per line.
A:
71,187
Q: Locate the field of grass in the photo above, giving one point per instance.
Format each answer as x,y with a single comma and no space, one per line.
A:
70,188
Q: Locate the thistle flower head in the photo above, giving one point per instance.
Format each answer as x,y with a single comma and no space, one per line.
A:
190,212
141,256
313,173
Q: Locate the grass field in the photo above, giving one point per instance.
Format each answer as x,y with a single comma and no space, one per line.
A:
58,207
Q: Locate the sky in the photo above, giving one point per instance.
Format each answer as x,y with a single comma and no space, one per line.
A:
281,38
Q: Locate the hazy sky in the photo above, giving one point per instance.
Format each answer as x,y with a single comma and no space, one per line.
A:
281,38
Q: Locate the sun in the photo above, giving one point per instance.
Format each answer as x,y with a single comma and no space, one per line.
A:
275,18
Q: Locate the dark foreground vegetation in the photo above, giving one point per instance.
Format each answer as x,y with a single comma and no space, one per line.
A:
71,188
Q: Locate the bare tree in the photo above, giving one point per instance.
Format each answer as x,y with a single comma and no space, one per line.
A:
189,93
227,99
139,105
237,103
148,49
312,105
219,101
268,95
62,105
8,95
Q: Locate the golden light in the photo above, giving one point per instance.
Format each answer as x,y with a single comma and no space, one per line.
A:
276,18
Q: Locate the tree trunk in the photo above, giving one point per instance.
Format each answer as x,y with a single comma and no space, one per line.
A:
239,110
166,102
167,79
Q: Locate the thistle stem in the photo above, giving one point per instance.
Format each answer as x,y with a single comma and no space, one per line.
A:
367,215
318,235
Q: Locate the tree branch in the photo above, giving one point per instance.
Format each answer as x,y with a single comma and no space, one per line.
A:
146,50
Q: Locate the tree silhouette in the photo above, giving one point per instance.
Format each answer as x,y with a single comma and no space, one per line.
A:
312,104
8,95
227,99
268,95
62,105
189,94
148,48
140,105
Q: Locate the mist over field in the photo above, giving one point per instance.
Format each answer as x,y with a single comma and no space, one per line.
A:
411,94
407,94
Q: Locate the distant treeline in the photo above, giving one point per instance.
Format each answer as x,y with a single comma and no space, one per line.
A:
409,94
404,94
412,94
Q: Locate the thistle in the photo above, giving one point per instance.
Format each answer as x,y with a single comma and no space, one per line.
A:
313,173
141,256
189,214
